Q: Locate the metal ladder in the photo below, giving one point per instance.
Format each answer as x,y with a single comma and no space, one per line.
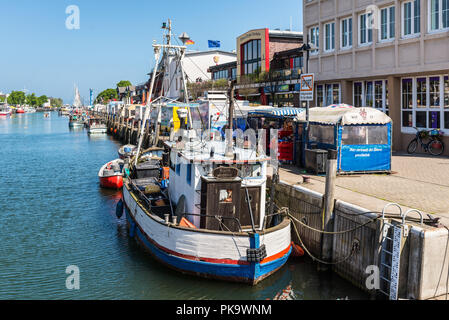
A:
392,235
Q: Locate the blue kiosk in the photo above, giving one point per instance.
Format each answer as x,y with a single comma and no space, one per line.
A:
361,136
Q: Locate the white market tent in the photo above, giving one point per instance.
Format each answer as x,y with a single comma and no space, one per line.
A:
344,114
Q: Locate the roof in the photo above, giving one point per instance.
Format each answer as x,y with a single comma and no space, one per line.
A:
223,66
285,34
344,114
198,53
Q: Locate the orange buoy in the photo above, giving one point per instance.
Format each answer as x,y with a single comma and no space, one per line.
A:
297,250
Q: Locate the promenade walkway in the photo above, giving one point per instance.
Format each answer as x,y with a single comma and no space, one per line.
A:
417,182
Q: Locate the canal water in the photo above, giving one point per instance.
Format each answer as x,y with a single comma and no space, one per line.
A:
55,215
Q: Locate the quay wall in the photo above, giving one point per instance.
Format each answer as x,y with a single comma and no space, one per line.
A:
424,257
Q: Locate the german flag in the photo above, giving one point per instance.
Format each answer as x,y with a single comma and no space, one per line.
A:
190,42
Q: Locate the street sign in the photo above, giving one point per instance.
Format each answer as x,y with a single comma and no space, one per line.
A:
307,85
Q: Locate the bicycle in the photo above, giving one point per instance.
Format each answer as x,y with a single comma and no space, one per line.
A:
434,146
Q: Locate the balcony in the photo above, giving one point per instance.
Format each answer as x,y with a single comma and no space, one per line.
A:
284,76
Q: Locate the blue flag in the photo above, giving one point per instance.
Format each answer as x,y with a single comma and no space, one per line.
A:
214,44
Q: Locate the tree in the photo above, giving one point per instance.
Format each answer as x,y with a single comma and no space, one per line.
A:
2,98
124,83
56,102
106,96
41,100
16,98
31,99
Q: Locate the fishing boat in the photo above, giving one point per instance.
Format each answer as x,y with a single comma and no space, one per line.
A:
127,151
211,219
110,174
96,126
75,121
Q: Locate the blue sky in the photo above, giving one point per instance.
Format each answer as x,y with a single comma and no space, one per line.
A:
114,40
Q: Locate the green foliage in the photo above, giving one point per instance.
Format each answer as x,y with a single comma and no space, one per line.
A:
106,96
42,100
16,98
56,102
31,100
124,83
197,89
2,98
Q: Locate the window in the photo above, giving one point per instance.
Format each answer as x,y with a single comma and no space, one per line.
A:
315,39
222,74
346,33
358,94
434,92
421,92
329,37
446,92
438,15
319,96
189,174
364,135
225,196
378,95
234,73
322,134
369,101
425,102
365,29
411,18
298,62
387,23
252,57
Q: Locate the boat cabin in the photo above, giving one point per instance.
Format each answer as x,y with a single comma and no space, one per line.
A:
217,192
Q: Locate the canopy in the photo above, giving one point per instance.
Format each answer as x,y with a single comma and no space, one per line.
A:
344,114
279,112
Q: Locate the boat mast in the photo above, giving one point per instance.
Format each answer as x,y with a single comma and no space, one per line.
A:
229,132
149,100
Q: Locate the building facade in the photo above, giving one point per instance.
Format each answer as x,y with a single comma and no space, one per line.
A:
391,55
269,65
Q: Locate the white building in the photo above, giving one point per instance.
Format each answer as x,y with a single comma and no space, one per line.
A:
195,66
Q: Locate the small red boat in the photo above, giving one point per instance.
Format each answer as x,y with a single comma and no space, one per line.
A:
20,110
111,175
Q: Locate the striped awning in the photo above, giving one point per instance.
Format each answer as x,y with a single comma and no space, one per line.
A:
286,111
278,112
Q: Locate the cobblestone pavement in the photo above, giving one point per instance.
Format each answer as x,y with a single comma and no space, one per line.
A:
419,182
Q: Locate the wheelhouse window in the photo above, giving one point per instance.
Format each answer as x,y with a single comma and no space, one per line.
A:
411,18
365,29
438,15
315,39
346,33
252,57
329,37
387,23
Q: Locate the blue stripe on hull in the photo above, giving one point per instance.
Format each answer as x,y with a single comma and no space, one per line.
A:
243,273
